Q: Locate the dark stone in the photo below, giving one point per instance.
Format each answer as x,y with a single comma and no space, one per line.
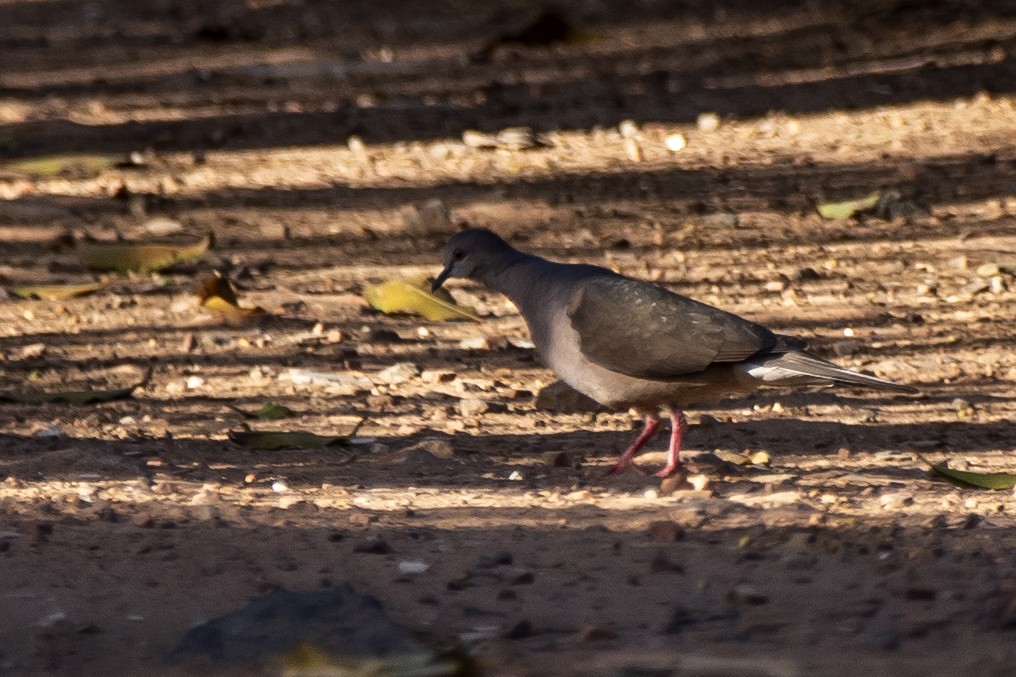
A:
338,621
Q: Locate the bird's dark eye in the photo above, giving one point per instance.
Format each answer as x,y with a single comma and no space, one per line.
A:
458,255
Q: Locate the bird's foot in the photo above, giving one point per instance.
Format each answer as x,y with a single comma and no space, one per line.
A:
616,469
648,430
677,427
623,464
668,470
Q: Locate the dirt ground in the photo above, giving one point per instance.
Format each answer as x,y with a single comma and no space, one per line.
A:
477,518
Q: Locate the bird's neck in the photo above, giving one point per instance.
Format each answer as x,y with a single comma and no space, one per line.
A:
506,278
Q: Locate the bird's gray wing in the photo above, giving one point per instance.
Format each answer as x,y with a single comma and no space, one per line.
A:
643,330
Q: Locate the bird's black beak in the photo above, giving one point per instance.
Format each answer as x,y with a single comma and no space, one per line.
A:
440,279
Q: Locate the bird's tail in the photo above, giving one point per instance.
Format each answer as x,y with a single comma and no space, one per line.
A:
800,368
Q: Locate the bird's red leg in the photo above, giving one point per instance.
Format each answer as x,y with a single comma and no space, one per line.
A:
652,423
677,424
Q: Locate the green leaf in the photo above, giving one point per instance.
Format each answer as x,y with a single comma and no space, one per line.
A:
981,480
270,441
55,292
270,411
844,210
74,396
141,257
70,396
84,166
412,296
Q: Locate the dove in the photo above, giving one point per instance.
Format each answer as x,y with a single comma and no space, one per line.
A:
632,344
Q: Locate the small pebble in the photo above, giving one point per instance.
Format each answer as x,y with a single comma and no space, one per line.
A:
633,150
472,406
670,484
675,143
747,594
698,482
361,519
707,122
33,350
665,531
557,459
398,373
628,129
357,147
474,343
413,566
988,269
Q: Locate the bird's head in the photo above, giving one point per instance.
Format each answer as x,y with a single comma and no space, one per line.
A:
477,254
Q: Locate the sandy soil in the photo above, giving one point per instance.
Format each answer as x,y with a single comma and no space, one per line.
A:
124,524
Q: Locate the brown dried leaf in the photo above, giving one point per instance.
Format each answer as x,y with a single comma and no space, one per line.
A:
217,294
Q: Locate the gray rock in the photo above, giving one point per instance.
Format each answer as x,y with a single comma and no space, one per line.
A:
339,621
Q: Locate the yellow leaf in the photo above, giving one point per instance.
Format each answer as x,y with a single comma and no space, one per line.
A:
140,256
844,210
55,292
403,296
307,660
84,166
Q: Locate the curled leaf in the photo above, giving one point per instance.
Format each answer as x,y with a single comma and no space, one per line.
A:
981,480
412,296
75,396
140,256
55,292
270,441
217,294
846,209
